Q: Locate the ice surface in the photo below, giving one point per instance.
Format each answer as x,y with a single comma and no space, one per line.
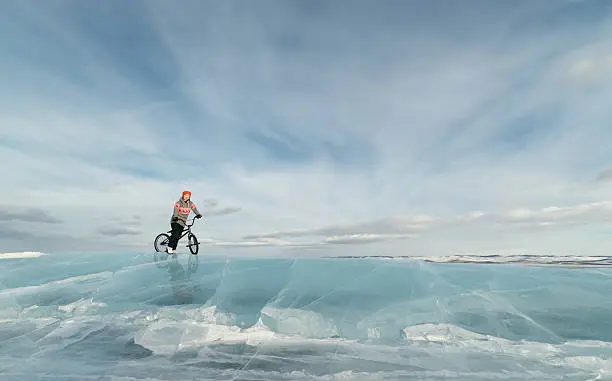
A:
567,260
140,316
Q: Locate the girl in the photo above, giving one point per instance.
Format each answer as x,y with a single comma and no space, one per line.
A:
182,208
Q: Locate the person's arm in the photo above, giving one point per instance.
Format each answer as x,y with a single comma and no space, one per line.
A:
175,212
195,210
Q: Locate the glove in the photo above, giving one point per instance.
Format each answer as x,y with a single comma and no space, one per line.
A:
199,216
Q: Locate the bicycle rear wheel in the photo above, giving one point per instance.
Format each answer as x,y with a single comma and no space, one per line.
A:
161,242
193,245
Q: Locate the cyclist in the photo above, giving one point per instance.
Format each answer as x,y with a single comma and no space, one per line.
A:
182,208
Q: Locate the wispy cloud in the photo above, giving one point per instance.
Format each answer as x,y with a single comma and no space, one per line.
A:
225,211
311,124
405,225
364,238
211,207
119,231
13,214
513,221
605,176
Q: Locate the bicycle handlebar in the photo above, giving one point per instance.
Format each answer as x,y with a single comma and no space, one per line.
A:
192,221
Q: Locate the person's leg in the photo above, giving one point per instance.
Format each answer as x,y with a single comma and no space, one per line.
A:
172,242
177,229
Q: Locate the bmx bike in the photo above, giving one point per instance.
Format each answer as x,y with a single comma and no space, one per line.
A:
162,239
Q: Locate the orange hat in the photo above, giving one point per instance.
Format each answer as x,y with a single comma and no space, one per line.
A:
186,192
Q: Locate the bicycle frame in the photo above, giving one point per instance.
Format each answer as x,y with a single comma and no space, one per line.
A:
186,229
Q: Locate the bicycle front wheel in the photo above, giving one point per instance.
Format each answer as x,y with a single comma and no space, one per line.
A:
193,244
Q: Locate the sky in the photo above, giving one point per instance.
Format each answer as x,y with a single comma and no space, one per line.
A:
383,127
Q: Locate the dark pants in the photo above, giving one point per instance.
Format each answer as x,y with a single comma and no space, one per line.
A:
177,229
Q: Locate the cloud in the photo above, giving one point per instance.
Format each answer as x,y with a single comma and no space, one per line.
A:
379,228
410,227
15,238
113,232
252,244
224,211
305,125
210,203
9,233
605,176
352,239
592,70
8,214
210,207
133,223
557,216
364,238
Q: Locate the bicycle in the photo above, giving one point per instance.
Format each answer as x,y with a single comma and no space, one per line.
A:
163,239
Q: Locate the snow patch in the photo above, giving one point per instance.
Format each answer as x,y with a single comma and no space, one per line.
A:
25,254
